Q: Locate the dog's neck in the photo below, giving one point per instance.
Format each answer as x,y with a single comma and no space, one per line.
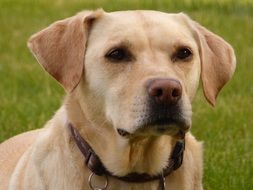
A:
121,155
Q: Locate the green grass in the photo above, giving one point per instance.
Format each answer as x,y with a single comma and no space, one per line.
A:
29,97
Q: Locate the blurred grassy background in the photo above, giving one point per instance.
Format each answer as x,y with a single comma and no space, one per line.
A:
29,97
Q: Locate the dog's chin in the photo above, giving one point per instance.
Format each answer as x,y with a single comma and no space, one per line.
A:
176,128
158,129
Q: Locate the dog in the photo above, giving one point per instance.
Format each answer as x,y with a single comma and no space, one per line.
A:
130,78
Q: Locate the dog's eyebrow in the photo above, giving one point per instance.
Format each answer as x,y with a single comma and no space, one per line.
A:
124,44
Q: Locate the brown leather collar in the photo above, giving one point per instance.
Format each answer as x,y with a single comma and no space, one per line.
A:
96,166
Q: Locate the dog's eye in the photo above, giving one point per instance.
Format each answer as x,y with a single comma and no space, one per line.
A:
118,55
183,54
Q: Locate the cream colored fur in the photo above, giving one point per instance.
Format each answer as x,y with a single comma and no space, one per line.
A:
103,96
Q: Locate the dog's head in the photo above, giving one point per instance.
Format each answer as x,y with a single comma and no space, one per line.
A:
137,71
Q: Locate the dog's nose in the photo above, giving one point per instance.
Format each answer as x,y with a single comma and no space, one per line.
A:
165,91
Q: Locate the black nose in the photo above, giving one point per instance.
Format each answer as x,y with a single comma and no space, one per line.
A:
165,90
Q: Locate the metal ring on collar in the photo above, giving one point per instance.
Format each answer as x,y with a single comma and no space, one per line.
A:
97,188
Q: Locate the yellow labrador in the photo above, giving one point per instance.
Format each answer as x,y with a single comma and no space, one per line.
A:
130,78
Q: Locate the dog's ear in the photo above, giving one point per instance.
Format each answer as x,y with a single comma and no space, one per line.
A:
60,48
218,60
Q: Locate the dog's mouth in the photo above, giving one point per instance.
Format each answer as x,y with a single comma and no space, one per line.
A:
157,127
157,120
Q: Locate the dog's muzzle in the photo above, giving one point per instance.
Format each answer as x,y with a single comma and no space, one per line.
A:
164,109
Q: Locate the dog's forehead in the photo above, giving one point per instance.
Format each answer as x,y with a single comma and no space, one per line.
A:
124,24
143,18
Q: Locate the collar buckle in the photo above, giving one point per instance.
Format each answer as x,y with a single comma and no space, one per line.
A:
97,188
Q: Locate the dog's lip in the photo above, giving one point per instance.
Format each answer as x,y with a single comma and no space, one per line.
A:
123,132
159,122
165,123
